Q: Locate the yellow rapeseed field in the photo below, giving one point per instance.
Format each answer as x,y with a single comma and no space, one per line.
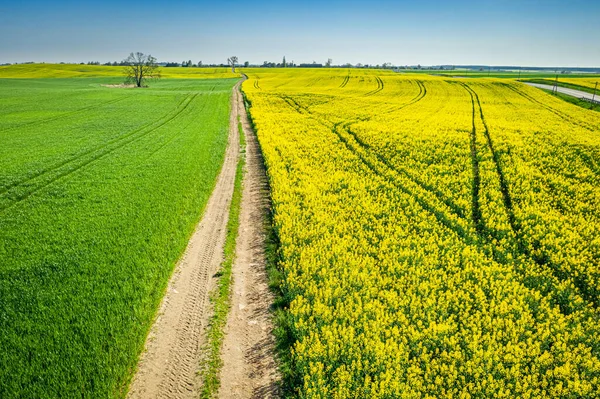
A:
439,237
96,71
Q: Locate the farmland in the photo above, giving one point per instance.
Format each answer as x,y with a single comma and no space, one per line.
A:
439,237
432,236
100,190
20,71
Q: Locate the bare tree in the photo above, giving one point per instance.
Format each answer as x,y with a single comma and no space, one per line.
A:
329,61
232,61
139,67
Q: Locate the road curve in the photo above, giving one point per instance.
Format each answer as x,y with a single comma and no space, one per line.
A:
567,91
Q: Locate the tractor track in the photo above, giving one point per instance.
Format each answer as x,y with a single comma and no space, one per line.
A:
419,97
169,366
522,246
482,234
553,110
380,86
476,213
71,165
456,209
504,187
379,167
401,171
64,115
345,81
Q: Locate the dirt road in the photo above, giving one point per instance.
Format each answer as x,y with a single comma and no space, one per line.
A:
168,367
249,367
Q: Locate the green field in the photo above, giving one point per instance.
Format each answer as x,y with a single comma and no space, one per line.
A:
100,189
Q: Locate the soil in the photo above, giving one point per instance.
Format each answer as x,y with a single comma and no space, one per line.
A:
120,86
169,366
249,366
173,352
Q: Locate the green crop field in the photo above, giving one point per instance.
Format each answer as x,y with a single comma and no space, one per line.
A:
100,190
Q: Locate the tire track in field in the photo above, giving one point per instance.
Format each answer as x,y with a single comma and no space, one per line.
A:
504,187
457,210
584,290
173,136
345,81
11,197
483,236
419,97
173,351
379,88
94,149
64,115
558,113
588,160
381,168
476,213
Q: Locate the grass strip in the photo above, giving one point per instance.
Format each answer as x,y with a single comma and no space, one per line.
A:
550,82
221,296
577,101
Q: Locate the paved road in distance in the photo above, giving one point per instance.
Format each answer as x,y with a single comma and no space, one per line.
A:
567,91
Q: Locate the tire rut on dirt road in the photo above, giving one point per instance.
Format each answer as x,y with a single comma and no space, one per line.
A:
173,351
249,366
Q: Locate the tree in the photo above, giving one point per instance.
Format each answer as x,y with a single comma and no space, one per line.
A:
246,64
140,67
232,61
199,64
329,61
284,64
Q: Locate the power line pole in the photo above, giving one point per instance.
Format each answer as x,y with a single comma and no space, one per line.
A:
555,90
594,96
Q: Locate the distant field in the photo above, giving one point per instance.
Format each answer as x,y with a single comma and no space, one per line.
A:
439,237
501,74
100,189
583,84
74,71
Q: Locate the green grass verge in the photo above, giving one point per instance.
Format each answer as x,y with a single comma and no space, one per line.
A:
499,74
564,84
221,296
100,190
574,100
34,71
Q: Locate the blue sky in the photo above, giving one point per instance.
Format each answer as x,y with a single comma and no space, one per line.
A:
502,32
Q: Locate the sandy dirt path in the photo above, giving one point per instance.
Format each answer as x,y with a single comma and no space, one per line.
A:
248,353
168,366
